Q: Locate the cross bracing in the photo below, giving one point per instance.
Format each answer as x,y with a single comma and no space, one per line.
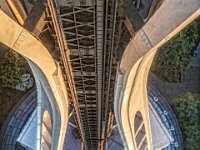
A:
78,24
94,34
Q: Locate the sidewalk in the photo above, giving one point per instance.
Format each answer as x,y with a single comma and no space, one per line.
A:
191,83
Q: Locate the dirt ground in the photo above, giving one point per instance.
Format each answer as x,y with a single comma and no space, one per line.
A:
8,97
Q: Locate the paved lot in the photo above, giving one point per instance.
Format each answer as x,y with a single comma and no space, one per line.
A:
16,120
190,83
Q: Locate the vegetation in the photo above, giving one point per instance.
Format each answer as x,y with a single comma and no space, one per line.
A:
10,96
11,69
174,56
187,110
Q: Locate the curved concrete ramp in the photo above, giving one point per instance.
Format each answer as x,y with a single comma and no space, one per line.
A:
170,18
20,40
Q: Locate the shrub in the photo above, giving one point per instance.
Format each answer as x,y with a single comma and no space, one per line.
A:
187,110
175,55
11,69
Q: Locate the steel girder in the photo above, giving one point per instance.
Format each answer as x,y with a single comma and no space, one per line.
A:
92,30
78,24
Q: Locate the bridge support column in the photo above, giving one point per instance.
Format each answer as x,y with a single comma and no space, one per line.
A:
20,40
170,18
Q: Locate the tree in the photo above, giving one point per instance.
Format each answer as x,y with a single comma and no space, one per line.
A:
187,110
11,69
175,55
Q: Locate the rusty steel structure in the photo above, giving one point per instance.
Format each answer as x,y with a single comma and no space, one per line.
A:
90,39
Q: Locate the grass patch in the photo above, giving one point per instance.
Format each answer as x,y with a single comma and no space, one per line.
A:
187,109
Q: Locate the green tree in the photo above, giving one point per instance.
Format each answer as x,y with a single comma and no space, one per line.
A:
175,55
11,69
187,110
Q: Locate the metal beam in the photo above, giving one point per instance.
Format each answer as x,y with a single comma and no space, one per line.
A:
35,21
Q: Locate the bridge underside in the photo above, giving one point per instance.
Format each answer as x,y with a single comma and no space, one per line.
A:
78,24
86,40
97,32
92,31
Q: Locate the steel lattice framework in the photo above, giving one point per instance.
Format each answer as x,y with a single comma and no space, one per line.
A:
79,27
89,29
95,37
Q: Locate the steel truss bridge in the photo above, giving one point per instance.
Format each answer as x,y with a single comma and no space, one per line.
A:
86,39
92,30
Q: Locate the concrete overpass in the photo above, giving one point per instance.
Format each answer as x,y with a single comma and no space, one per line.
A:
169,19
81,66
20,40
